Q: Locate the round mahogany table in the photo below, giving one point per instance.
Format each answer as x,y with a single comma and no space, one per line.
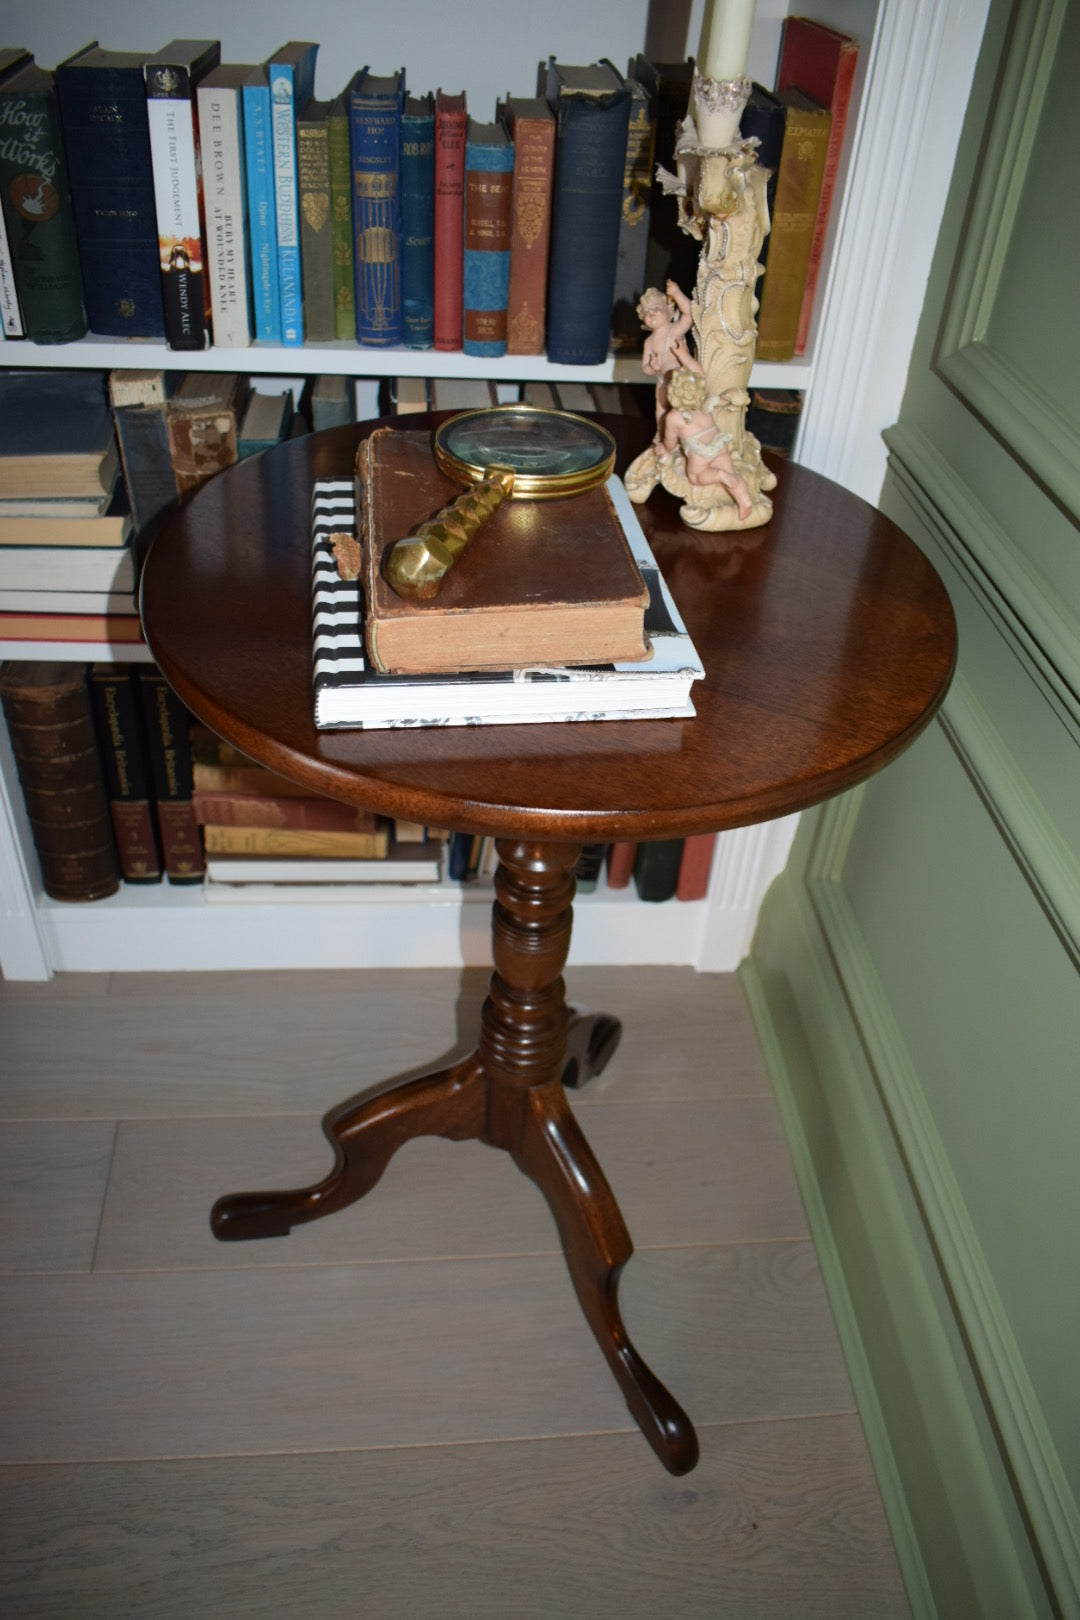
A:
828,643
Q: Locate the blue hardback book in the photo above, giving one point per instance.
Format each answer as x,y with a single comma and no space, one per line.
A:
489,187
418,221
291,72
262,208
592,109
375,108
102,97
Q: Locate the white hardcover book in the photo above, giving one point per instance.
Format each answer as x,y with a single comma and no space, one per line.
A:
171,81
221,136
10,314
350,693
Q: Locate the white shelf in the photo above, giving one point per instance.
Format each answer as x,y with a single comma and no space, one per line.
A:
348,359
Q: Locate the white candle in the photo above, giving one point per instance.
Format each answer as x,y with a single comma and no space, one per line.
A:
725,38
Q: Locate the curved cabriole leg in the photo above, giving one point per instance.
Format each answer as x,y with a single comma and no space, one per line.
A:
523,1051
555,1154
365,1135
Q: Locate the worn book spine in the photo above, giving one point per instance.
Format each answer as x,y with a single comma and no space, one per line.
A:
292,82
590,154
626,335
262,208
47,708
171,86
296,811
316,227
203,419
37,214
107,141
142,433
167,721
450,124
341,220
798,190
532,129
418,221
221,136
656,868
695,866
821,61
489,187
589,866
375,138
114,699
239,840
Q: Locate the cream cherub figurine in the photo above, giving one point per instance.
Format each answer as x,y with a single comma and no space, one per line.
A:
690,426
667,320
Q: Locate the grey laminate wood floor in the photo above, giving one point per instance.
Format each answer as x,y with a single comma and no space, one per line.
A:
399,1411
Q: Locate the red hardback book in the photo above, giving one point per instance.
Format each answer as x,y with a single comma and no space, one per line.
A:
532,127
620,863
821,61
695,866
450,121
220,807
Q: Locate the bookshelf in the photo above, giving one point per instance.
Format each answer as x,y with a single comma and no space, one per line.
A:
916,61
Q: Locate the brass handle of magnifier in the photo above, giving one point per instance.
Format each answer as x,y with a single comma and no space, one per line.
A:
416,567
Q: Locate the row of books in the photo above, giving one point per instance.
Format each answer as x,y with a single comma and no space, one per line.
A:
120,786
253,211
88,461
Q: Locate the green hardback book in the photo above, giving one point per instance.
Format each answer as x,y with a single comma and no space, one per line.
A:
341,219
38,216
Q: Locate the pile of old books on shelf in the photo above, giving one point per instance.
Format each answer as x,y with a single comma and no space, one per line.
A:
529,227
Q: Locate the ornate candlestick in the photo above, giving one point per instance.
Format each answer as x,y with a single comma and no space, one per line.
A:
702,452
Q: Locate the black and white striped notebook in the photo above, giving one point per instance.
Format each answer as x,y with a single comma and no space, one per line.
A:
350,693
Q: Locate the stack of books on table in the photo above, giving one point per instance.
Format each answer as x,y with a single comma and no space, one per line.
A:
370,668
67,566
258,827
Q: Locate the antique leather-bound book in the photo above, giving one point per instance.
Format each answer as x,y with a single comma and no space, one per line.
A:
418,221
316,220
450,121
375,106
114,701
543,582
532,129
203,418
47,708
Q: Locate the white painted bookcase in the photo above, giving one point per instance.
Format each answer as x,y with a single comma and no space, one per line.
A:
915,68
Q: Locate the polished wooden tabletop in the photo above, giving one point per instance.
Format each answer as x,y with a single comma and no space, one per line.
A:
828,642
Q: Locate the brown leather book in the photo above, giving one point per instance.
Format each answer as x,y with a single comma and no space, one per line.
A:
47,707
532,129
543,582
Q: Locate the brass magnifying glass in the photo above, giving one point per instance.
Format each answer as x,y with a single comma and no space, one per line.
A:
521,452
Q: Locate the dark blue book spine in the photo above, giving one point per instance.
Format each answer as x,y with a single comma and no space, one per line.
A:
107,139
590,155
418,226
375,143
763,120
489,186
